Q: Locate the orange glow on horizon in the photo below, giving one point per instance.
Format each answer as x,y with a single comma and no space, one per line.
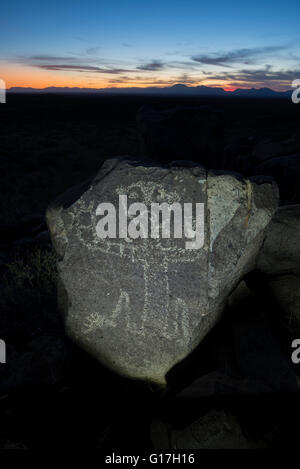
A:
19,75
24,76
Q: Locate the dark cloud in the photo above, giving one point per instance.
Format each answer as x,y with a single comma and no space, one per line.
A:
44,58
185,65
114,71
253,76
246,56
187,80
93,50
79,63
140,81
71,62
152,66
80,68
266,77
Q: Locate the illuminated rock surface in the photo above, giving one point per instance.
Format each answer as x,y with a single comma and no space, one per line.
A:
141,305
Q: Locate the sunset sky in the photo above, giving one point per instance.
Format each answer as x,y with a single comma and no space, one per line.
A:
116,43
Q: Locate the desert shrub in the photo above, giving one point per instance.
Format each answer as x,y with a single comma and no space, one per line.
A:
36,270
28,291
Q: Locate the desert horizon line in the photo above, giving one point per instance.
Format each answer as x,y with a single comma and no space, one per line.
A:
175,86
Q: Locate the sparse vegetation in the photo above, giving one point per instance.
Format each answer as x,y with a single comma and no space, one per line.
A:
28,291
35,271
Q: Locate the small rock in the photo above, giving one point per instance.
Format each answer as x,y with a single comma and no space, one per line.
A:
215,430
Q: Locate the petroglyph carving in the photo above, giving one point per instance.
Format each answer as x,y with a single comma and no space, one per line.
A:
141,305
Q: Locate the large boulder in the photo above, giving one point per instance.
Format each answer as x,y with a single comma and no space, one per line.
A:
286,172
258,351
279,261
141,305
267,149
285,291
280,253
172,133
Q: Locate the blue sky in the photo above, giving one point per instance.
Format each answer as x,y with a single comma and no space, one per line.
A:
135,43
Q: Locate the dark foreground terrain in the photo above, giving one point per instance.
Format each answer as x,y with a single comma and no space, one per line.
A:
51,393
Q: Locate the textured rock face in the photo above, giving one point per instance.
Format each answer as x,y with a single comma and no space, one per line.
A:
141,305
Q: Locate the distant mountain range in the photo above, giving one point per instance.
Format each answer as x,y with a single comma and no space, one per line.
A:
175,90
